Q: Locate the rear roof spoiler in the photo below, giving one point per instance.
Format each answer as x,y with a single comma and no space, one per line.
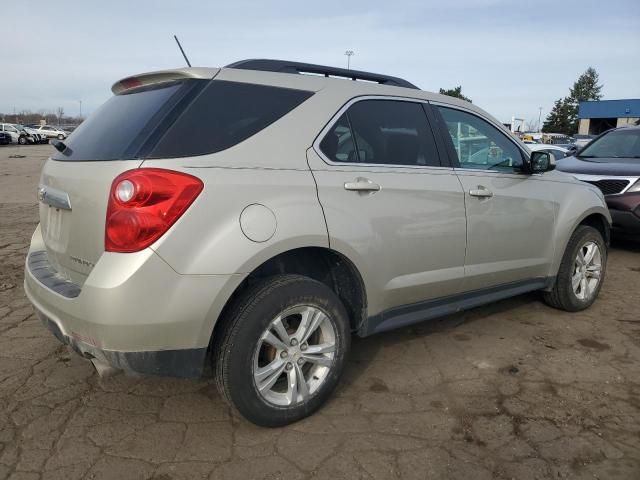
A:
285,66
162,76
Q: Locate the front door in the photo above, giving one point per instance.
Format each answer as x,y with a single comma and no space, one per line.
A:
510,214
390,205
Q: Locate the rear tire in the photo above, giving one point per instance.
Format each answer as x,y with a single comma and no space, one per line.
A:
22,141
581,272
281,349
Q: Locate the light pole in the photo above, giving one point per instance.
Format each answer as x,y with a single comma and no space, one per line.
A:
349,53
539,118
80,109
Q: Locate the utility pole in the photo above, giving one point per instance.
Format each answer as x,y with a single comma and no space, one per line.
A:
349,53
80,109
539,118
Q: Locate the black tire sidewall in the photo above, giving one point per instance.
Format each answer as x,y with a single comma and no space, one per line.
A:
581,236
238,362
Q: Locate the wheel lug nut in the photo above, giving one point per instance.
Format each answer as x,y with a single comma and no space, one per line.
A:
303,346
294,342
300,361
289,366
284,354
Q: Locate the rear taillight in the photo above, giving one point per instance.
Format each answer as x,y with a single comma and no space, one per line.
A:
143,204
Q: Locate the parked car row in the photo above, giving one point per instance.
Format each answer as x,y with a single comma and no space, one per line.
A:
29,134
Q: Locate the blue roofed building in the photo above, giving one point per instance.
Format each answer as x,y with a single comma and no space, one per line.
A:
596,117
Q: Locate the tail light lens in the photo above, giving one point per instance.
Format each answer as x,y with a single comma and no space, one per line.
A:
143,204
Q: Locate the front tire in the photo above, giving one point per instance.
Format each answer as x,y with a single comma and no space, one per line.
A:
22,141
282,348
60,137
581,272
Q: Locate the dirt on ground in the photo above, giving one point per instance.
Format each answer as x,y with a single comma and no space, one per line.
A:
514,390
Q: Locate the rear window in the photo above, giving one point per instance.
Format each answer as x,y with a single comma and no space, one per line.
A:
187,118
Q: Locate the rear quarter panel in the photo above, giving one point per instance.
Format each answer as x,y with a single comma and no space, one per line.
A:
209,239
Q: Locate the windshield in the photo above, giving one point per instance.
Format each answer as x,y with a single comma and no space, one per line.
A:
623,143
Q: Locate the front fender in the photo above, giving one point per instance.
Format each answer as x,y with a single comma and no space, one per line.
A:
576,202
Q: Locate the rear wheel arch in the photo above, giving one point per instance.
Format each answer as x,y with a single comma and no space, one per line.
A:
319,263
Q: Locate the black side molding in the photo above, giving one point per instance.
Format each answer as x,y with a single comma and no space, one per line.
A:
405,315
285,66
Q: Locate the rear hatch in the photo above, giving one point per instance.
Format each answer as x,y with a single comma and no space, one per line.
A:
75,183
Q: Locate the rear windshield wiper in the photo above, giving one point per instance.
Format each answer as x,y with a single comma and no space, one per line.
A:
61,147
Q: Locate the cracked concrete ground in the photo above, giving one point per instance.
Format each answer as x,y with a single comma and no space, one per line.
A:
512,390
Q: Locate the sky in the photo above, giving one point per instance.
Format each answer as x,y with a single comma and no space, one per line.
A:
511,57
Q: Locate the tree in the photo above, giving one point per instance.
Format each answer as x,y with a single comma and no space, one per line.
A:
564,116
586,87
559,118
455,92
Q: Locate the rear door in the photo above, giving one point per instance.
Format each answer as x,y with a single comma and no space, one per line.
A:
389,202
510,214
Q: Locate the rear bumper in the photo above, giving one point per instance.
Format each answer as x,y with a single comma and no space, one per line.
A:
134,312
186,363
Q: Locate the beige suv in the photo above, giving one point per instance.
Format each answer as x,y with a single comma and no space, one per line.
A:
248,220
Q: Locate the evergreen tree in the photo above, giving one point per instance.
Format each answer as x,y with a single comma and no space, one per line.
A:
558,120
584,89
455,92
563,118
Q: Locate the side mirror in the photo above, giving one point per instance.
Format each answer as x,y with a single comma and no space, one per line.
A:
542,162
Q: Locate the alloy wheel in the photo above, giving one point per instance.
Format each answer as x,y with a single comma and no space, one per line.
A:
587,271
294,355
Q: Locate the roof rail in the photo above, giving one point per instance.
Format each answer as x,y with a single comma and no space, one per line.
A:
284,66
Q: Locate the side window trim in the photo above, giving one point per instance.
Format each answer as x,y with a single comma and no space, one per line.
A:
453,157
353,136
442,158
435,120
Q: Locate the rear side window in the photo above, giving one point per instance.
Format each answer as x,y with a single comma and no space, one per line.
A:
225,114
385,132
180,119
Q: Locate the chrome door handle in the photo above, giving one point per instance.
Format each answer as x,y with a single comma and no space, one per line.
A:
481,192
362,185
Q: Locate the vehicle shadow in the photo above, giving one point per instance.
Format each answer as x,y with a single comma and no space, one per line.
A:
364,351
625,242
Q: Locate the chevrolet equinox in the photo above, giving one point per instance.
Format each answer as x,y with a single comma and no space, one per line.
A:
246,221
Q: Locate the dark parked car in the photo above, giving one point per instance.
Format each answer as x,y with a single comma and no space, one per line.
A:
612,163
5,138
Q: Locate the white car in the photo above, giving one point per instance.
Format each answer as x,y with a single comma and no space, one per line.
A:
558,152
53,132
14,132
